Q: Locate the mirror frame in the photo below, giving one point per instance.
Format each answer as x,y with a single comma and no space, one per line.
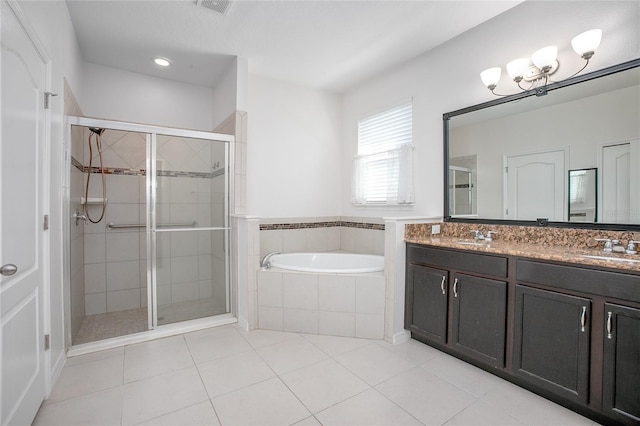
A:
541,91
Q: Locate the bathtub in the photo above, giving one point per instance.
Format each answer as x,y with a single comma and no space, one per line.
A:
336,294
330,263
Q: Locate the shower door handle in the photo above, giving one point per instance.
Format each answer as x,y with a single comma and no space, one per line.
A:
8,269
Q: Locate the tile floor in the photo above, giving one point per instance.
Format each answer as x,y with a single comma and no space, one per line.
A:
227,376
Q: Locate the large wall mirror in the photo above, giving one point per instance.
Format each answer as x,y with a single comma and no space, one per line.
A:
571,157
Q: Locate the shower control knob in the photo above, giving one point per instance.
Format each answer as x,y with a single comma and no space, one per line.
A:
8,269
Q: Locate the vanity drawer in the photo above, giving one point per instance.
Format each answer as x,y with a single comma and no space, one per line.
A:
462,261
603,283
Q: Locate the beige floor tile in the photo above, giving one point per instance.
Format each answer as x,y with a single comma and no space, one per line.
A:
291,355
92,376
98,408
425,396
200,414
323,384
261,338
467,377
479,414
333,345
149,398
530,408
373,364
309,421
367,408
212,346
228,374
412,351
265,403
149,359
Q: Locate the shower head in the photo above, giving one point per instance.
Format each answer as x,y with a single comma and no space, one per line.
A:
96,130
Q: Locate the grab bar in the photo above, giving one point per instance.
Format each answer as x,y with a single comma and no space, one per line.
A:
144,225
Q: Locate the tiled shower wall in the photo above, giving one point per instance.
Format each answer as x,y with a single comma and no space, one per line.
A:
190,265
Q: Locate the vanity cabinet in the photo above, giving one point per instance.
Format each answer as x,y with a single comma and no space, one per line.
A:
454,308
621,362
551,341
426,311
568,332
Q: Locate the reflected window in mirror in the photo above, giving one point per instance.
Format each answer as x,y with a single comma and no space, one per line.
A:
583,195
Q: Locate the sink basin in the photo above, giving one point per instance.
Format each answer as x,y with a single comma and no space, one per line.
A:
611,259
470,243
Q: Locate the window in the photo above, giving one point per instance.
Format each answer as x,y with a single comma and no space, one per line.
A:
383,168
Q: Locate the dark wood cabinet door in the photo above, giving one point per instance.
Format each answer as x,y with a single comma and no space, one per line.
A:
426,302
621,381
551,341
479,318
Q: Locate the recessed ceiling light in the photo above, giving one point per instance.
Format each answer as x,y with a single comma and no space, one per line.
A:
163,62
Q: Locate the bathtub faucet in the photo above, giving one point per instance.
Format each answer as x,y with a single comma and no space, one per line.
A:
265,260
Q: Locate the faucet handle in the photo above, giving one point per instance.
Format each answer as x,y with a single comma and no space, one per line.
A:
631,248
490,234
608,247
477,234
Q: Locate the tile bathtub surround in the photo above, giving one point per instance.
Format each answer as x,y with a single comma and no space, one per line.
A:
544,236
327,304
358,235
267,377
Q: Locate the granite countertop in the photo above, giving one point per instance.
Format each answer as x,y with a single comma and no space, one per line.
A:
536,251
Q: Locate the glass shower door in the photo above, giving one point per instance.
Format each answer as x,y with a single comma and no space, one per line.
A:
189,229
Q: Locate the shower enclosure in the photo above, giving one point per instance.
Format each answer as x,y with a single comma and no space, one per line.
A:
160,254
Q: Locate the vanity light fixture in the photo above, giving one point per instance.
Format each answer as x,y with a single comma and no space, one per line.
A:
545,63
163,62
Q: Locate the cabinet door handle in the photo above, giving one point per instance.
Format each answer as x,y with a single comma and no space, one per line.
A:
583,318
609,325
442,285
455,288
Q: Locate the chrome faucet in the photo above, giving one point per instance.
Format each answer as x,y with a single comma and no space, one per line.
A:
611,245
265,260
477,235
489,236
631,247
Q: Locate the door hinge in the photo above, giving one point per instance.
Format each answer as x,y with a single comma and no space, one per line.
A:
47,343
506,169
47,98
46,222
506,212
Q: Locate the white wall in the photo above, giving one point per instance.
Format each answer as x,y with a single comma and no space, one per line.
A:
51,21
224,95
114,94
447,78
293,158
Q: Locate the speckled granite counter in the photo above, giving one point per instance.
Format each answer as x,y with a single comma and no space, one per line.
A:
555,244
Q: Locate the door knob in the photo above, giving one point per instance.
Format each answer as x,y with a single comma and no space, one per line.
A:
8,269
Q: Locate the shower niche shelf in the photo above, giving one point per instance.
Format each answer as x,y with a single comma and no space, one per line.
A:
92,200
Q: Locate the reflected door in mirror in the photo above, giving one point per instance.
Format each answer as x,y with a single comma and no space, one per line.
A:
534,186
620,193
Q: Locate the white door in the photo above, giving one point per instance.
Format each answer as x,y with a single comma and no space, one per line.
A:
535,186
24,76
616,183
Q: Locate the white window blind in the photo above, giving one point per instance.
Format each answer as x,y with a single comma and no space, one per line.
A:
383,168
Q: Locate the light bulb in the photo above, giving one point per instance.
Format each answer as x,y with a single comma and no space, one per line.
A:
163,62
491,76
585,44
517,68
545,58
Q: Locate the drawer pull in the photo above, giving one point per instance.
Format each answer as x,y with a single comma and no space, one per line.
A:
455,288
442,285
609,325
583,318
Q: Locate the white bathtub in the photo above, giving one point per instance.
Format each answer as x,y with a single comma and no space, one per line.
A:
330,263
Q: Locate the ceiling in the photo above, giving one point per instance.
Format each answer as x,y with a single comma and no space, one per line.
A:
331,45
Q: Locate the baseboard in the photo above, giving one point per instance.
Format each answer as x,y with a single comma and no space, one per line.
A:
400,337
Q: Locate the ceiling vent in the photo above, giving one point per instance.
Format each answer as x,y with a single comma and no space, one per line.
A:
219,6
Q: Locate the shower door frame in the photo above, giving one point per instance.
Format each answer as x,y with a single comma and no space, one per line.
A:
151,133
